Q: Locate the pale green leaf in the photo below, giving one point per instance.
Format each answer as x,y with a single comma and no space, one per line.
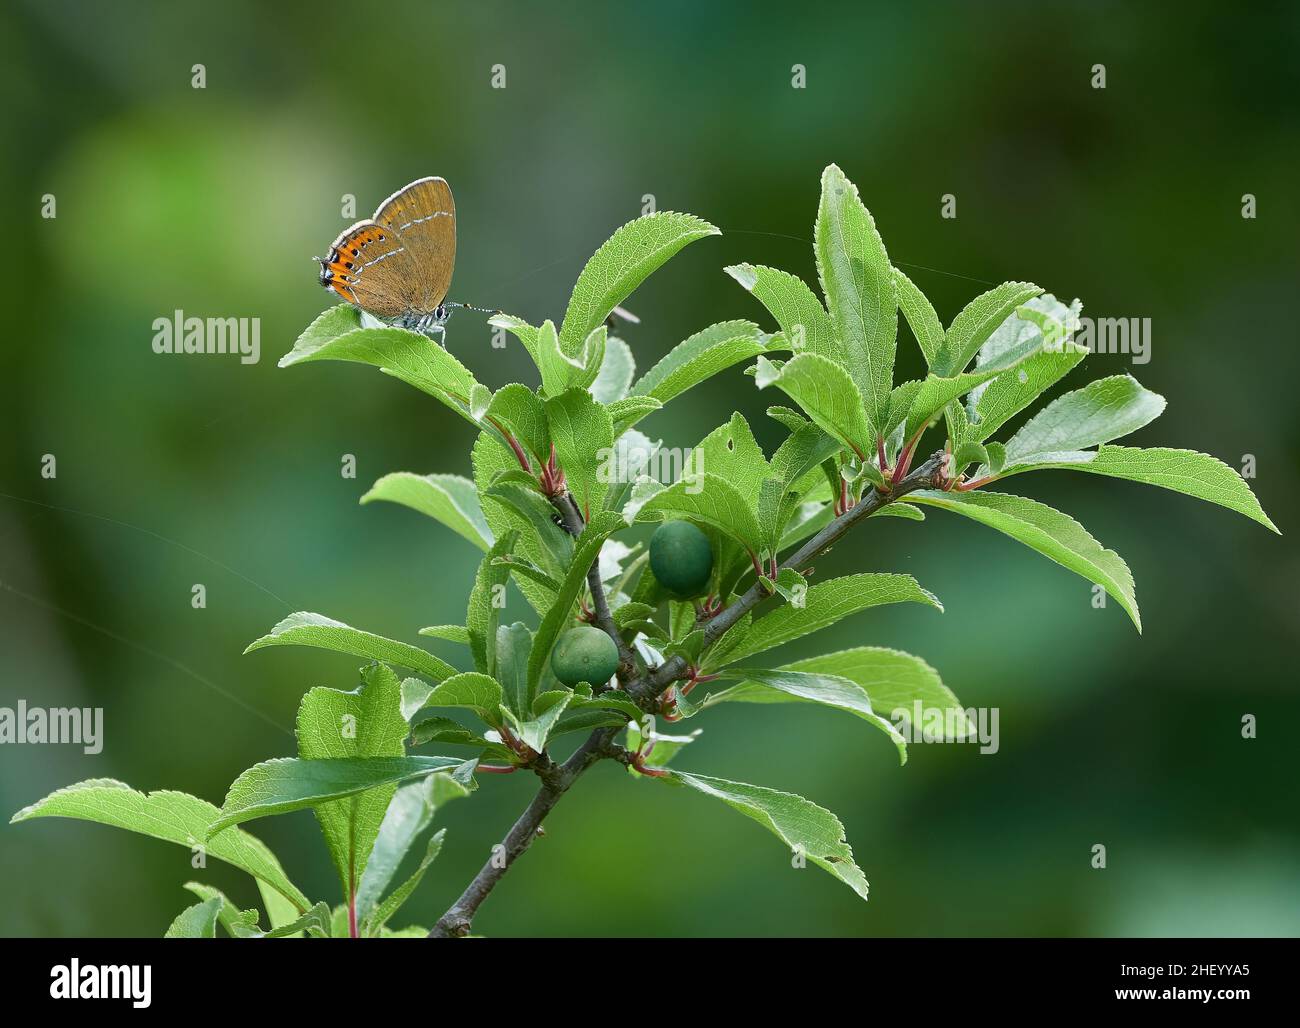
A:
409,813
977,321
374,924
991,405
732,453
616,372
449,499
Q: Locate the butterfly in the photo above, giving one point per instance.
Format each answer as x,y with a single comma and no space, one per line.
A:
396,266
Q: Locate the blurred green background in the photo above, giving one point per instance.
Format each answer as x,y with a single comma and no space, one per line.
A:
181,470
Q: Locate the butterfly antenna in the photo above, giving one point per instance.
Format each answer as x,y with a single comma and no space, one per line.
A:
471,307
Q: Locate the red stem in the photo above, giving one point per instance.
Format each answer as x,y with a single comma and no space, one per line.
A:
514,445
352,915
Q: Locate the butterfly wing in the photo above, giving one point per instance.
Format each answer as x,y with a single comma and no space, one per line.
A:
423,215
369,266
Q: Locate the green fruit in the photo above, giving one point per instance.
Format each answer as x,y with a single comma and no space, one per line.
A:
584,654
681,558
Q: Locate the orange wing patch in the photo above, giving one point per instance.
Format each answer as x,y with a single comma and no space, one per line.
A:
348,257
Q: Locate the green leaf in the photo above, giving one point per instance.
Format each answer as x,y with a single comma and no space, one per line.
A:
1184,471
817,687
711,500
809,830
1055,535
448,732
936,392
699,357
663,748
625,413
621,264
731,452
991,405
525,569
242,924
280,911
920,316
977,321
896,683
859,285
239,924
584,437
409,814
535,730
449,499
802,319
316,922
374,924
585,552
471,690
307,629
559,370
482,612
1099,412
409,356
824,604
534,513
449,633
827,395
367,722
516,409
196,922
173,817
616,372
285,784
794,466
514,645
